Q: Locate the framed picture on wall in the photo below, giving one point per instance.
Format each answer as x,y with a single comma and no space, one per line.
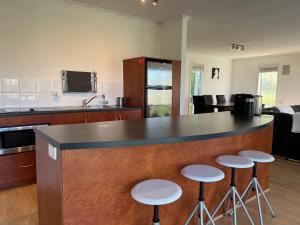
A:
215,73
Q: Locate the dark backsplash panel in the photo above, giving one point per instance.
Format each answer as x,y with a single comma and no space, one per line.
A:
77,81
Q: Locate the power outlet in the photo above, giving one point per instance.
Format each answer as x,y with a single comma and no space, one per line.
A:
52,152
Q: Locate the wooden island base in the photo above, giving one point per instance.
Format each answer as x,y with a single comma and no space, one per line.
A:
92,186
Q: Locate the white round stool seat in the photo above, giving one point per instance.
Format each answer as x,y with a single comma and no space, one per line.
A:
156,192
203,173
256,156
235,161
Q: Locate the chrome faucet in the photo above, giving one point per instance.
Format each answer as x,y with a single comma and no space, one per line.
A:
85,102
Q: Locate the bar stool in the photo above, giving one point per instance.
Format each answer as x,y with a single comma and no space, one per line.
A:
257,157
156,192
234,162
202,174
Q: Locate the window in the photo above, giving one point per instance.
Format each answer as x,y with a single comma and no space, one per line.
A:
267,85
196,78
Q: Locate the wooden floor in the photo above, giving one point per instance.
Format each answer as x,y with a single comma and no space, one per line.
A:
19,206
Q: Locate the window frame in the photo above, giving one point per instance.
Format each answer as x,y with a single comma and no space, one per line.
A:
260,70
200,65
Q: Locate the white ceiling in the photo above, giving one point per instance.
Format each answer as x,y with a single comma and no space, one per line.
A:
264,26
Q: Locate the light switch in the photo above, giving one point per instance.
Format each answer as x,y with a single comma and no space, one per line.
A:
52,152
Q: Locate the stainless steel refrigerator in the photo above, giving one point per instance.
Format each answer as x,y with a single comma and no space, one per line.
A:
158,88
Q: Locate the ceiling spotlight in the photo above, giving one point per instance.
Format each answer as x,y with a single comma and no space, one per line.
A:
155,2
237,47
143,1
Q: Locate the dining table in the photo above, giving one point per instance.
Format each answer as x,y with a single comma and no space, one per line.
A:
221,106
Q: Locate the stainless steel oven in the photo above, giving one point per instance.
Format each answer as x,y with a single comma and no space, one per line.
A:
17,139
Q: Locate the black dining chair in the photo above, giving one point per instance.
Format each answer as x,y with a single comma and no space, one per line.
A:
208,99
199,104
221,99
232,99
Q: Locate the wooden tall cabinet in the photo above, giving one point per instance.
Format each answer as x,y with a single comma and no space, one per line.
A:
134,79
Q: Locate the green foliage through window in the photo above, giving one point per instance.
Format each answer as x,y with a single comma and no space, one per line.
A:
268,87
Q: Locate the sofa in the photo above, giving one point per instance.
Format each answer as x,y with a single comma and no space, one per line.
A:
285,143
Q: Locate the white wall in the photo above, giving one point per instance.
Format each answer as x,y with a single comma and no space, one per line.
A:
171,39
210,86
39,38
173,45
245,76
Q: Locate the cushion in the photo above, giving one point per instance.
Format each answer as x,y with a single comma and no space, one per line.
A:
286,109
271,110
296,108
296,123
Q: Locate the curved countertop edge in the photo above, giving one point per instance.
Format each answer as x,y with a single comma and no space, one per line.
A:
152,141
71,109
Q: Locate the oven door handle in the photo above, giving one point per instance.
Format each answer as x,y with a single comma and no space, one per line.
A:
20,128
8,151
27,166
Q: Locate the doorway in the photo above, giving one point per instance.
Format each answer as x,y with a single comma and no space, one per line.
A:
196,83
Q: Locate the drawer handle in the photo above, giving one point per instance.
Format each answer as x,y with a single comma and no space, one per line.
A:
26,166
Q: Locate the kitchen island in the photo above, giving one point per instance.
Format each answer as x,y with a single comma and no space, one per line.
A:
85,172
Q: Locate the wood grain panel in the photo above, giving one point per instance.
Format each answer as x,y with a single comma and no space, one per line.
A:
101,116
17,169
114,115
68,118
176,87
49,185
10,121
131,115
97,183
134,81
11,175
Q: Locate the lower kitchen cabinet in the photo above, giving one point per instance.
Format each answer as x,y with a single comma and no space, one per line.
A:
68,118
11,121
17,169
114,115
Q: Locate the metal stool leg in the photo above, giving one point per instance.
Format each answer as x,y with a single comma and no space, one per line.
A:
244,196
201,213
258,204
234,207
265,198
192,215
220,205
244,207
256,188
236,199
208,214
201,208
228,204
156,215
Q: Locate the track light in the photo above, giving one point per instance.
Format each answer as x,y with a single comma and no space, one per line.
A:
237,47
154,2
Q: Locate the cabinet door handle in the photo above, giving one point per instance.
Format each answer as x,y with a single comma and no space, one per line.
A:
26,166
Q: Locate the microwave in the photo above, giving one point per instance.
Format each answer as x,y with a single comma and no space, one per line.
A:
17,139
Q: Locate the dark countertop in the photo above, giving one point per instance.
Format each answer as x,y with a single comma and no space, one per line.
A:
150,131
63,109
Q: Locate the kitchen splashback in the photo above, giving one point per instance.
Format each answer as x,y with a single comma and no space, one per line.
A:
47,92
